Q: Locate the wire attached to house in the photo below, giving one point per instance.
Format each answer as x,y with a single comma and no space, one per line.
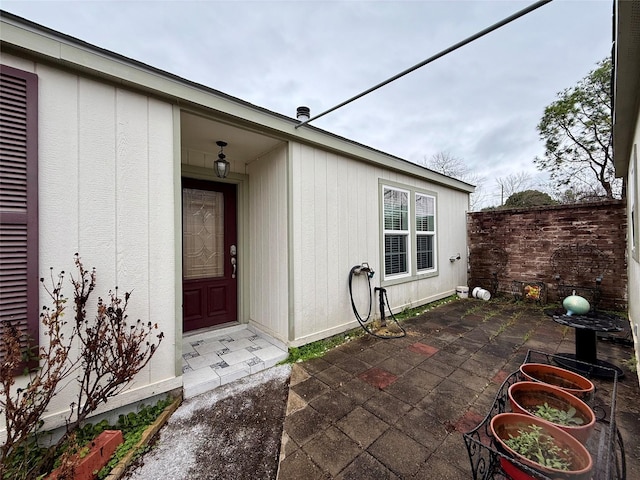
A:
444,52
384,304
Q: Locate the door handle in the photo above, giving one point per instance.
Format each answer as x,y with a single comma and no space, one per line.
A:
234,264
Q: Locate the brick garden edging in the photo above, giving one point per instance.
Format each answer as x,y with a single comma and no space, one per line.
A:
119,470
102,448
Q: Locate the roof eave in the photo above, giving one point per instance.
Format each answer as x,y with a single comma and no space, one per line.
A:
25,37
626,81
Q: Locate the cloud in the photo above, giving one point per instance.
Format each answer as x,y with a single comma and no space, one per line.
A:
481,103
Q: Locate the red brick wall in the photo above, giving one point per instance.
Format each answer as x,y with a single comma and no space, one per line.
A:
530,236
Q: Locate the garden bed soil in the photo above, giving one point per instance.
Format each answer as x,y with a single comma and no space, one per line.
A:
233,431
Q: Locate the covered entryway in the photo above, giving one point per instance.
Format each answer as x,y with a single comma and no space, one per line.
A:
224,223
236,225
209,254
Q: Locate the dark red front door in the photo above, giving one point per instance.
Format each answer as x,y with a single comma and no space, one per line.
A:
209,255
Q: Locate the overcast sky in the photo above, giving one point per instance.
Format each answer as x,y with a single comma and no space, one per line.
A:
480,103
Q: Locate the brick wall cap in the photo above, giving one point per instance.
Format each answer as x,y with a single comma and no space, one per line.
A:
566,206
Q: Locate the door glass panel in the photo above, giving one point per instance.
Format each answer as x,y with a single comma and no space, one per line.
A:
203,233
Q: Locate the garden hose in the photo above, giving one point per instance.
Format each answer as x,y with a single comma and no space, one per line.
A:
384,304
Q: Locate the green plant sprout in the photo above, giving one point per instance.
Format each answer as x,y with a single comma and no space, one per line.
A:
539,447
555,415
632,364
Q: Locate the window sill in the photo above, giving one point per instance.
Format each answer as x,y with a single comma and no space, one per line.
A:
387,282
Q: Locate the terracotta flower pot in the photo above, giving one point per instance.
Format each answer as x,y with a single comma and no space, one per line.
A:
567,380
525,397
507,425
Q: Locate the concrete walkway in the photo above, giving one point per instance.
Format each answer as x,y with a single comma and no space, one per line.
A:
396,409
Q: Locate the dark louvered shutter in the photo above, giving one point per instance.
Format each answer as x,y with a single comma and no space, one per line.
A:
19,203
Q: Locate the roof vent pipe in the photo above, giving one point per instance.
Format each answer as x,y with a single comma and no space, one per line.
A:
303,113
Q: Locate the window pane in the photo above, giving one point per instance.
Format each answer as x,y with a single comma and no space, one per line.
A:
395,254
203,233
424,251
425,213
396,208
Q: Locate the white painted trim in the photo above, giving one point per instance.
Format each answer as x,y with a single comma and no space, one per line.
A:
324,333
241,181
177,221
290,240
406,233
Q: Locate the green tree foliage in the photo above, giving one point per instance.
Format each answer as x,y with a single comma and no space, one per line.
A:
529,198
578,135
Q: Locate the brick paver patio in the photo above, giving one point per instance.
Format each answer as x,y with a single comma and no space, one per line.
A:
396,409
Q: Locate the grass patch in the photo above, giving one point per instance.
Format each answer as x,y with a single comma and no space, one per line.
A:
319,348
632,364
472,309
527,336
490,314
416,311
503,327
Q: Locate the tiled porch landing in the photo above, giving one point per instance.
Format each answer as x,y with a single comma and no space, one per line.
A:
215,358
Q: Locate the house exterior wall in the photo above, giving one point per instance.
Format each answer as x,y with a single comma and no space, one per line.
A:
633,238
335,224
109,170
106,191
269,243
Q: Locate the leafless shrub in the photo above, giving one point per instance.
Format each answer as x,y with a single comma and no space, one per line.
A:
111,352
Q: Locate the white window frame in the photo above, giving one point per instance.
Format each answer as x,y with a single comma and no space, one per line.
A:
427,233
412,272
406,233
634,205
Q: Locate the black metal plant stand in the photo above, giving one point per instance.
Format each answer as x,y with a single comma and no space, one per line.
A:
605,443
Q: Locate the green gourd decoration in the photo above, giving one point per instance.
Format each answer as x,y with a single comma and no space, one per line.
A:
576,305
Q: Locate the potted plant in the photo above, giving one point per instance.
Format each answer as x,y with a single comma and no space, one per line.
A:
553,405
540,445
567,380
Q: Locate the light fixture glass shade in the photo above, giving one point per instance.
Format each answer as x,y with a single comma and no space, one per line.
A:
222,168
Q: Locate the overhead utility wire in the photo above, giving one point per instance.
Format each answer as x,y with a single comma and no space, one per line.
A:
462,43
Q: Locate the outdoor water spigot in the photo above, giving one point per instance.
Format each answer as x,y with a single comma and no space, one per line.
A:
366,268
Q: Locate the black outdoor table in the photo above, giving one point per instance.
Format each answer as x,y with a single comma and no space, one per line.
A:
586,326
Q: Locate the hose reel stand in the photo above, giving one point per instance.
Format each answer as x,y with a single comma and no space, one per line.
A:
383,331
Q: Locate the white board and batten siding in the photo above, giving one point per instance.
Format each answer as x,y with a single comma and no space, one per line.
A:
633,208
335,206
268,243
106,191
